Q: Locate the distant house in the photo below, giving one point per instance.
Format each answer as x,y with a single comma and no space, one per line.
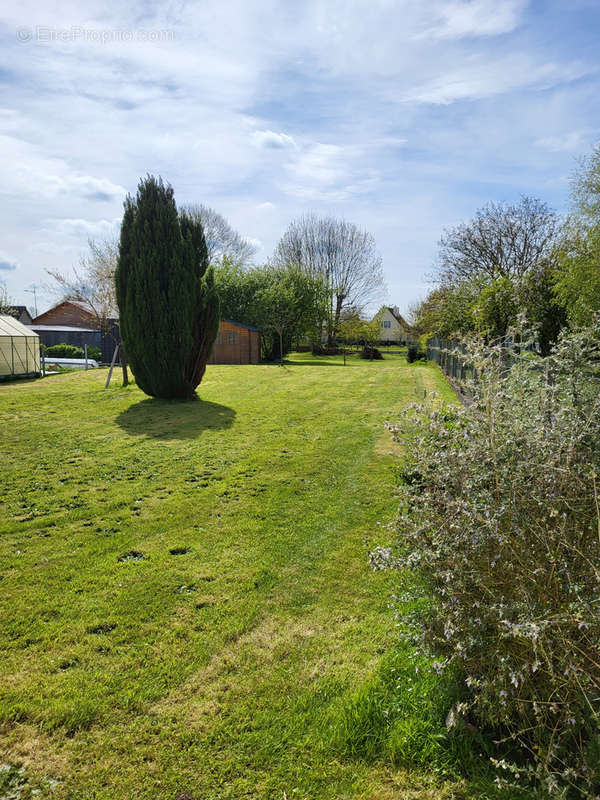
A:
20,313
75,323
72,313
393,326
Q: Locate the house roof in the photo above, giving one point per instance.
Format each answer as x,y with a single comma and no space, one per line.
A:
397,316
62,328
18,310
114,314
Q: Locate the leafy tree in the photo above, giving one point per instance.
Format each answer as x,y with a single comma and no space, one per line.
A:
342,254
545,311
237,289
578,274
354,329
496,307
287,302
169,308
446,310
493,268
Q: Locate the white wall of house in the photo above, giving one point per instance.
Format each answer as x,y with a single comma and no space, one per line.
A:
391,330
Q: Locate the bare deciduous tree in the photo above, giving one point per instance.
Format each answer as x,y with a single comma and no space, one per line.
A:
5,301
93,283
222,241
343,254
502,240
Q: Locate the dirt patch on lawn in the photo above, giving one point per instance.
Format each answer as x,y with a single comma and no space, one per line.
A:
236,669
24,744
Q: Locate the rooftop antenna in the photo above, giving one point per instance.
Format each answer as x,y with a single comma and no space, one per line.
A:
33,292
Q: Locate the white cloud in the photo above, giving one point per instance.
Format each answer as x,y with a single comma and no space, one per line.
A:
565,142
7,264
27,169
486,78
330,172
462,18
101,228
270,139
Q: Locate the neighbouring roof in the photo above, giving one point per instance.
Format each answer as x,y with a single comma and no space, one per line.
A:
398,317
9,326
18,310
62,328
114,314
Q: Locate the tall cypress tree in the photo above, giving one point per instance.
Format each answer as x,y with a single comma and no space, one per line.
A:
168,303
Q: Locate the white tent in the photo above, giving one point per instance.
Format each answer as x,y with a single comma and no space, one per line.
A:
19,349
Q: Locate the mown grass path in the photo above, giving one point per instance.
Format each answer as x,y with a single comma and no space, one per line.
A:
185,591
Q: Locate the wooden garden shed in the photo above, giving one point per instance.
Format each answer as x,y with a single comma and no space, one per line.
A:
236,343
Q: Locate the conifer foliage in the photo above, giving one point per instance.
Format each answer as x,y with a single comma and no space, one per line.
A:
168,304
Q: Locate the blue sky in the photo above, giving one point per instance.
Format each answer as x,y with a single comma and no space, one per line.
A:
403,117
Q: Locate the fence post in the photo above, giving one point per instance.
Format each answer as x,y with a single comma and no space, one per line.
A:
112,364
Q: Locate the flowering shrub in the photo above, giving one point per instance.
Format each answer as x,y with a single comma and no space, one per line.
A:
500,511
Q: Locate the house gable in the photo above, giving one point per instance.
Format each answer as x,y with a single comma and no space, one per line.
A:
393,327
68,312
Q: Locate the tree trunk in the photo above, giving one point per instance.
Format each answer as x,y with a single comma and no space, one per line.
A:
281,348
335,323
124,367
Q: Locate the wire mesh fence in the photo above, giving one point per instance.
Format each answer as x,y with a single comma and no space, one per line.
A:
451,357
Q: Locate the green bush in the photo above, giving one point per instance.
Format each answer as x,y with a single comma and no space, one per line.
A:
71,351
371,353
504,524
63,351
414,352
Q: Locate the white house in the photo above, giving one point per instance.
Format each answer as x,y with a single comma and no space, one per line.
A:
393,326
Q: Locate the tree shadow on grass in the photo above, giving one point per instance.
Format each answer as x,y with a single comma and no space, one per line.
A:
174,419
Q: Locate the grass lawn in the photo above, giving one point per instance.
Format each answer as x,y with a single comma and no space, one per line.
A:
186,603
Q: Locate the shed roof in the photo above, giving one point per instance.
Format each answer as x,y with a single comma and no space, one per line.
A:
9,326
242,325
